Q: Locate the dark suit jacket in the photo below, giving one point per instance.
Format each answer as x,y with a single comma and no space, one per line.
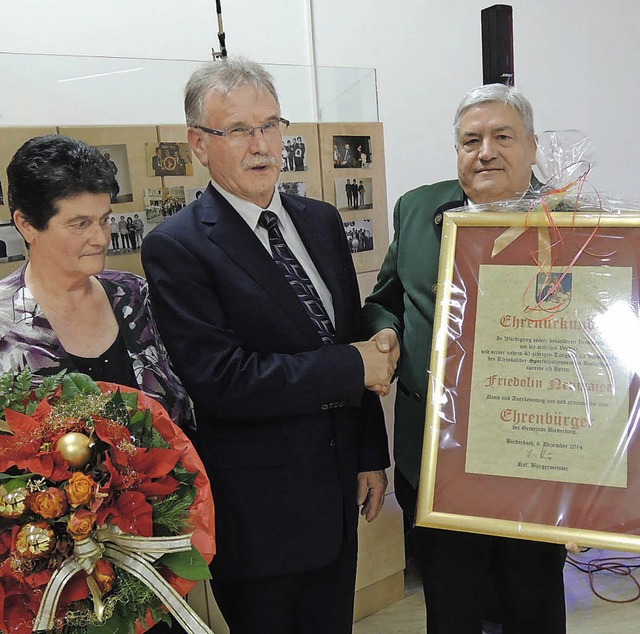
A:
284,423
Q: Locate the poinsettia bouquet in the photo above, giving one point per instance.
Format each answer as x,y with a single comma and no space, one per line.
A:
106,513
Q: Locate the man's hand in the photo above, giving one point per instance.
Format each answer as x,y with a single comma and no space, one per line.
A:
378,366
387,341
371,488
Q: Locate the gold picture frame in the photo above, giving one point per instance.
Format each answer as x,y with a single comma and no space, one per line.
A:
472,477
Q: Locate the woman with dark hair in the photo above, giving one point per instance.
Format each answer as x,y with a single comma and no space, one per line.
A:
62,310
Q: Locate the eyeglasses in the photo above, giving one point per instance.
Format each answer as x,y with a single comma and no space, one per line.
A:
242,133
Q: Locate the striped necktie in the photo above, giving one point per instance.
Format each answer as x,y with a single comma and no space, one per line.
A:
297,276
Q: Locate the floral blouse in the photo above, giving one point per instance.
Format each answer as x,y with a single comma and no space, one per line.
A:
27,339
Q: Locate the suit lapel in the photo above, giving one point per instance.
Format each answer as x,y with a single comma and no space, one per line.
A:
224,226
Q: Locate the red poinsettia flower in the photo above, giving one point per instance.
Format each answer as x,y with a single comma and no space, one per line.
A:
161,487
22,449
23,443
131,512
112,433
18,615
154,463
145,469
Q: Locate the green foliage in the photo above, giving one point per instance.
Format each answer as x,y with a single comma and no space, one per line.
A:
188,564
172,512
141,428
11,482
16,391
76,384
184,476
116,409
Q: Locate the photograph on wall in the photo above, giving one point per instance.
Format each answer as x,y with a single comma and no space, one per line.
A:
116,155
1,195
359,235
294,154
193,193
352,151
297,188
168,159
354,193
162,202
11,243
127,232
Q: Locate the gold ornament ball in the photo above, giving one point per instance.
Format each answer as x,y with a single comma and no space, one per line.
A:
75,448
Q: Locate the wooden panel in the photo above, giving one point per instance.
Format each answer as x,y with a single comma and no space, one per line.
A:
333,139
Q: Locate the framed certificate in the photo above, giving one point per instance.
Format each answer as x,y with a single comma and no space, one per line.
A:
532,417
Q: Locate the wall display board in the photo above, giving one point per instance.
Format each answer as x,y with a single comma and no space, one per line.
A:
353,176
158,174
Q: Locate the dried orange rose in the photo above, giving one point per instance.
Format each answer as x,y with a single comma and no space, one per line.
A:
50,503
80,489
104,574
81,524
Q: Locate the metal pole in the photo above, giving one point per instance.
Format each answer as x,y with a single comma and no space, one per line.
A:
221,34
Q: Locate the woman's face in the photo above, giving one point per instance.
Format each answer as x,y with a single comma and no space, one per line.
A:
77,237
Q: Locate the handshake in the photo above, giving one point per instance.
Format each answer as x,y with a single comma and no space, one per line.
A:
380,358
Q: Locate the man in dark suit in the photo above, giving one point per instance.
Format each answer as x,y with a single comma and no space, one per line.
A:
256,297
496,147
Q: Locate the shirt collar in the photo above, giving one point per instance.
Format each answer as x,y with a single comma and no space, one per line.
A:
250,212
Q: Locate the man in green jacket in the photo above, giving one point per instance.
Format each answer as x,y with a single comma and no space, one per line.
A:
496,147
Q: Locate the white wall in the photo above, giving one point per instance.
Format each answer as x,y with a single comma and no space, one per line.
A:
577,60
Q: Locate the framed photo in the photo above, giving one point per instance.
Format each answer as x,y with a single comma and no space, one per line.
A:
162,202
169,159
359,235
533,408
351,151
297,188
196,176
294,154
354,193
116,155
127,232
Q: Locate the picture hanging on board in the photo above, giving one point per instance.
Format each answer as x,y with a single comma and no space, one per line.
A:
116,155
352,151
169,159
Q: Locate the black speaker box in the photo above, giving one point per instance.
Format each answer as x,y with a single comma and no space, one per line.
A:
497,45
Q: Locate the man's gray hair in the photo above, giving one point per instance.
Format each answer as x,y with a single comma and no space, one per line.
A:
492,93
222,77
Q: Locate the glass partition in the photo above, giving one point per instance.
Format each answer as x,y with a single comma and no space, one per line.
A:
40,90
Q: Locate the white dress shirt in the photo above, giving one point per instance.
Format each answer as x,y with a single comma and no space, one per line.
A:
250,213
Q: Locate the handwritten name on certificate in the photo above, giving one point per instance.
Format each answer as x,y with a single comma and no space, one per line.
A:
552,363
